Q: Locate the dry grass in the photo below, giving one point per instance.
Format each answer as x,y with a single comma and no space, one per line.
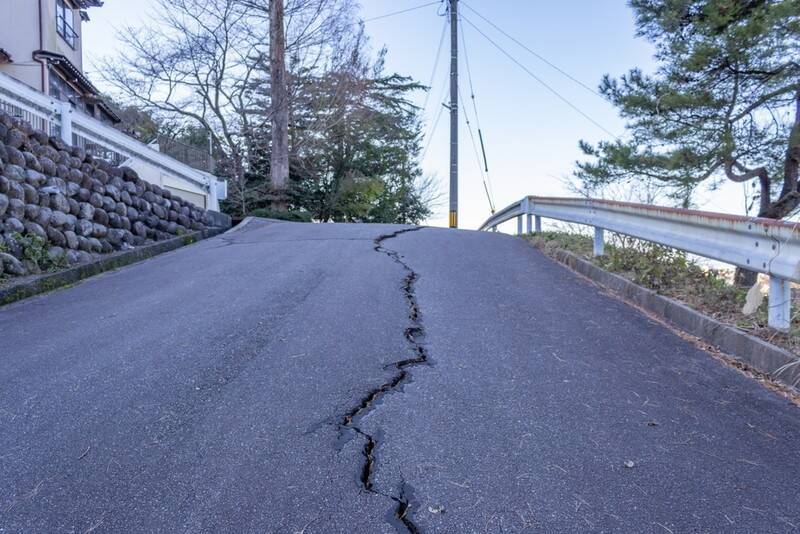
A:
671,273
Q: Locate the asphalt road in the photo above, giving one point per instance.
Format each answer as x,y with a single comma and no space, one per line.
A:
295,378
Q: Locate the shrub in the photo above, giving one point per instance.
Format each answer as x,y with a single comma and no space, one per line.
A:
651,265
34,249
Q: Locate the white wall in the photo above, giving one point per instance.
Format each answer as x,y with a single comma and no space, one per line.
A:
19,36
54,42
184,189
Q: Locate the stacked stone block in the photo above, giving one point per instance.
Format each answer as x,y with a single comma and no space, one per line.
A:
78,205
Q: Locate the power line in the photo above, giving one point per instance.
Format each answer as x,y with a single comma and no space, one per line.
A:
442,107
401,11
477,156
532,52
489,189
431,133
435,66
469,76
542,82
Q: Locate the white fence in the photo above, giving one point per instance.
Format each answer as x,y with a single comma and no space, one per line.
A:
762,245
75,128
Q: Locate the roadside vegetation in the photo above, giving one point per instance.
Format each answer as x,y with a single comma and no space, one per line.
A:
676,275
199,73
33,252
36,255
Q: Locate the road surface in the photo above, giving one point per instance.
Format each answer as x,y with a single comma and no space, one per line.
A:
294,378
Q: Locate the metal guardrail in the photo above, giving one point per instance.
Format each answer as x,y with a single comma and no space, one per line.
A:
192,156
762,245
75,128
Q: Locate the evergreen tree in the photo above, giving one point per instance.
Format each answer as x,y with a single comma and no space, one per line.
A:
723,104
355,142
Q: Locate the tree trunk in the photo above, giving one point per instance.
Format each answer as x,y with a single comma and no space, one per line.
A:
745,278
279,164
789,197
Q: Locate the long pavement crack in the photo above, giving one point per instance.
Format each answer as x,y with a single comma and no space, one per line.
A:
350,421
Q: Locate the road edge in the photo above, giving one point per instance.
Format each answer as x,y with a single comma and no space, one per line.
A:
32,286
750,351
239,227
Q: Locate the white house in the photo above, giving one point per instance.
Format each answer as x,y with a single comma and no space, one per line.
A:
41,46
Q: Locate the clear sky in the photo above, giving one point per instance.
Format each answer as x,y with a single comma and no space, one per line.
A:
531,135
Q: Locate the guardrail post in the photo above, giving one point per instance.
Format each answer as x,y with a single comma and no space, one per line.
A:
599,241
526,209
538,225
780,303
65,118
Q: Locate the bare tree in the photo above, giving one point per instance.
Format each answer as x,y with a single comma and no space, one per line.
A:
195,60
207,62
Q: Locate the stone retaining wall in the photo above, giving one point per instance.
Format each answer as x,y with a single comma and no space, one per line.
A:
74,205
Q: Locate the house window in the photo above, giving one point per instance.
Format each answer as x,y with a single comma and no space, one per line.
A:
61,90
64,23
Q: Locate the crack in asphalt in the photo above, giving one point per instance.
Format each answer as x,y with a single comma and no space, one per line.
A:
414,334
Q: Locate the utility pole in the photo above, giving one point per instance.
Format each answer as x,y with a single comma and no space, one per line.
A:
279,163
453,113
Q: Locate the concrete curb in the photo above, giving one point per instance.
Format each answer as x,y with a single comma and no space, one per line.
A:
31,286
249,220
749,350
239,227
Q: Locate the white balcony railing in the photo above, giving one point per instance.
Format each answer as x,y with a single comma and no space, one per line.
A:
77,129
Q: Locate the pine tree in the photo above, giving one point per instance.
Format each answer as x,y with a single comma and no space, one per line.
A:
723,104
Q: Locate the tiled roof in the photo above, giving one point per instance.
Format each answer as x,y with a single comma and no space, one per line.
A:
74,74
